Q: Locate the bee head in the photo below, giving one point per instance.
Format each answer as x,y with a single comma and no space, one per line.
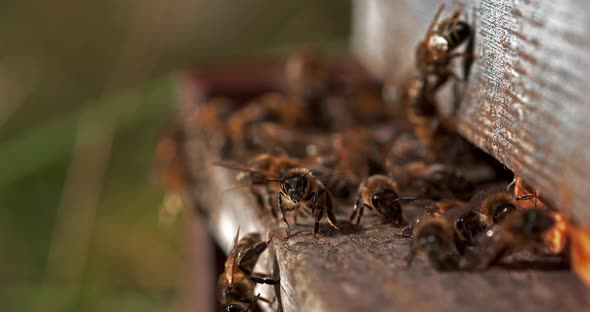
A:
469,226
295,186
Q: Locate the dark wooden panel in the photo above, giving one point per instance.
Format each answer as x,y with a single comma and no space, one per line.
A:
362,268
526,98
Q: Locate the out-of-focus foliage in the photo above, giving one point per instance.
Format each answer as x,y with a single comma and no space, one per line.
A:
132,262
79,228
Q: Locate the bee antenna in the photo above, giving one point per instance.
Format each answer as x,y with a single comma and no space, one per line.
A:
231,276
273,180
235,188
406,198
435,20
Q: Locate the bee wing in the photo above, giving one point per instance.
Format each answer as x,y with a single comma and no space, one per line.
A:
426,205
268,142
457,212
233,165
417,208
478,199
232,254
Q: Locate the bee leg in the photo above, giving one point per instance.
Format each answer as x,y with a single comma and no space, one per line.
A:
251,254
319,213
295,218
361,211
498,253
331,217
263,279
273,211
283,218
355,210
407,231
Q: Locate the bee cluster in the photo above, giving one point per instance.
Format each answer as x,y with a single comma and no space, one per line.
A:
315,147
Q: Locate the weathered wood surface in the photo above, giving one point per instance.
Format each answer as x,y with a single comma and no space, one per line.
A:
362,268
526,98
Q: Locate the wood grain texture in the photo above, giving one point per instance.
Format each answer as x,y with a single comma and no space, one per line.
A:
525,101
363,268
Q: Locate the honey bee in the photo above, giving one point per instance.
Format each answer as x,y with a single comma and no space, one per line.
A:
356,154
413,165
259,171
467,226
307,77
579,241
435,52
436,238
379,192
367,105
419,108
520,230
556,238
495,203
262,167
236,284
299,187
405,153
438,181
242,127
212,114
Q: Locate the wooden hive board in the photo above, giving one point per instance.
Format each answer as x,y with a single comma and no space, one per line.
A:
524,104
363,268
526,98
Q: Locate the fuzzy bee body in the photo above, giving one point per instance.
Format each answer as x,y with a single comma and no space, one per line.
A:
520,230
435,52
236,284
299,188
378,192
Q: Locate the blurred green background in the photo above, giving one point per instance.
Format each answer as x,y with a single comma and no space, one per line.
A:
86,87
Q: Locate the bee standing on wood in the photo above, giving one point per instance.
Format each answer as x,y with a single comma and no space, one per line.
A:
520,230
259,171
436,238
378,192
467,225
300,187
495,204
435,52
236,284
